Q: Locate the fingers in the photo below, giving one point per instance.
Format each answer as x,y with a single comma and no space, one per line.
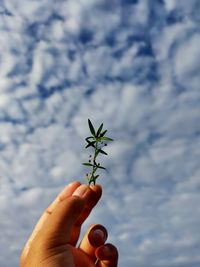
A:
65,212
93,197
66,192
57,229
63,223
107,256
95,237
59,225
92,244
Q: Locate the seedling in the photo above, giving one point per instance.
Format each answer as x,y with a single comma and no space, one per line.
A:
96,141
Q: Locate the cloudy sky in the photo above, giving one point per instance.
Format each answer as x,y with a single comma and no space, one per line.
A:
132,64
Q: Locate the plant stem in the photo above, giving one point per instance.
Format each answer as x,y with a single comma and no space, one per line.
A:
94,160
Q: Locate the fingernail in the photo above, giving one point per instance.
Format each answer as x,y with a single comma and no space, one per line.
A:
81,190
99,234
67,191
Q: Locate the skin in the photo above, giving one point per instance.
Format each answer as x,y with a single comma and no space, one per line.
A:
53,242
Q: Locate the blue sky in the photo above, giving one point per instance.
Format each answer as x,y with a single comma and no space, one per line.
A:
132,64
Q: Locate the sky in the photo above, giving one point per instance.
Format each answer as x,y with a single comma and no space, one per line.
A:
131,64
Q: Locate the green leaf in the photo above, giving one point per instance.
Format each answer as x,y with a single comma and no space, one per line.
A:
102,134
87,164
107,139
99,130
92,130
88,141
89,137
95,177
101,167
103,152
90,144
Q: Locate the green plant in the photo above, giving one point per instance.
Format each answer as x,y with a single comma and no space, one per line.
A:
96,141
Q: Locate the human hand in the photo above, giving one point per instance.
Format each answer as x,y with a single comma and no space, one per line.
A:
53,242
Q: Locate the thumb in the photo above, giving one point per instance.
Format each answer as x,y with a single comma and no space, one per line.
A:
58,227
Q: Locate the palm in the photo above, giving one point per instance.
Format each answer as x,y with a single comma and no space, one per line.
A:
72,257
81,259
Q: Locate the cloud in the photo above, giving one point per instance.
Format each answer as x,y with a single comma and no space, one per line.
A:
132,65
187,71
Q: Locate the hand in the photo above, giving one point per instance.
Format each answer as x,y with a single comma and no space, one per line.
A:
53,242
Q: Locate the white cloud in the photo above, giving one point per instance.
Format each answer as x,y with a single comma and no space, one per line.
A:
170,4
152,184
187,66
4,100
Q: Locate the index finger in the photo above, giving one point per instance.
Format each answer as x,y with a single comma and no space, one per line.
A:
66,192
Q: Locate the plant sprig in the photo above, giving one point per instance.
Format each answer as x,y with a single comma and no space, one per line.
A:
96,141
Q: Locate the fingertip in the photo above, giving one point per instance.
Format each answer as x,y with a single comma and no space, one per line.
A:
68,190
97,235
107,252
82,191
96,191
96,188
74,183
